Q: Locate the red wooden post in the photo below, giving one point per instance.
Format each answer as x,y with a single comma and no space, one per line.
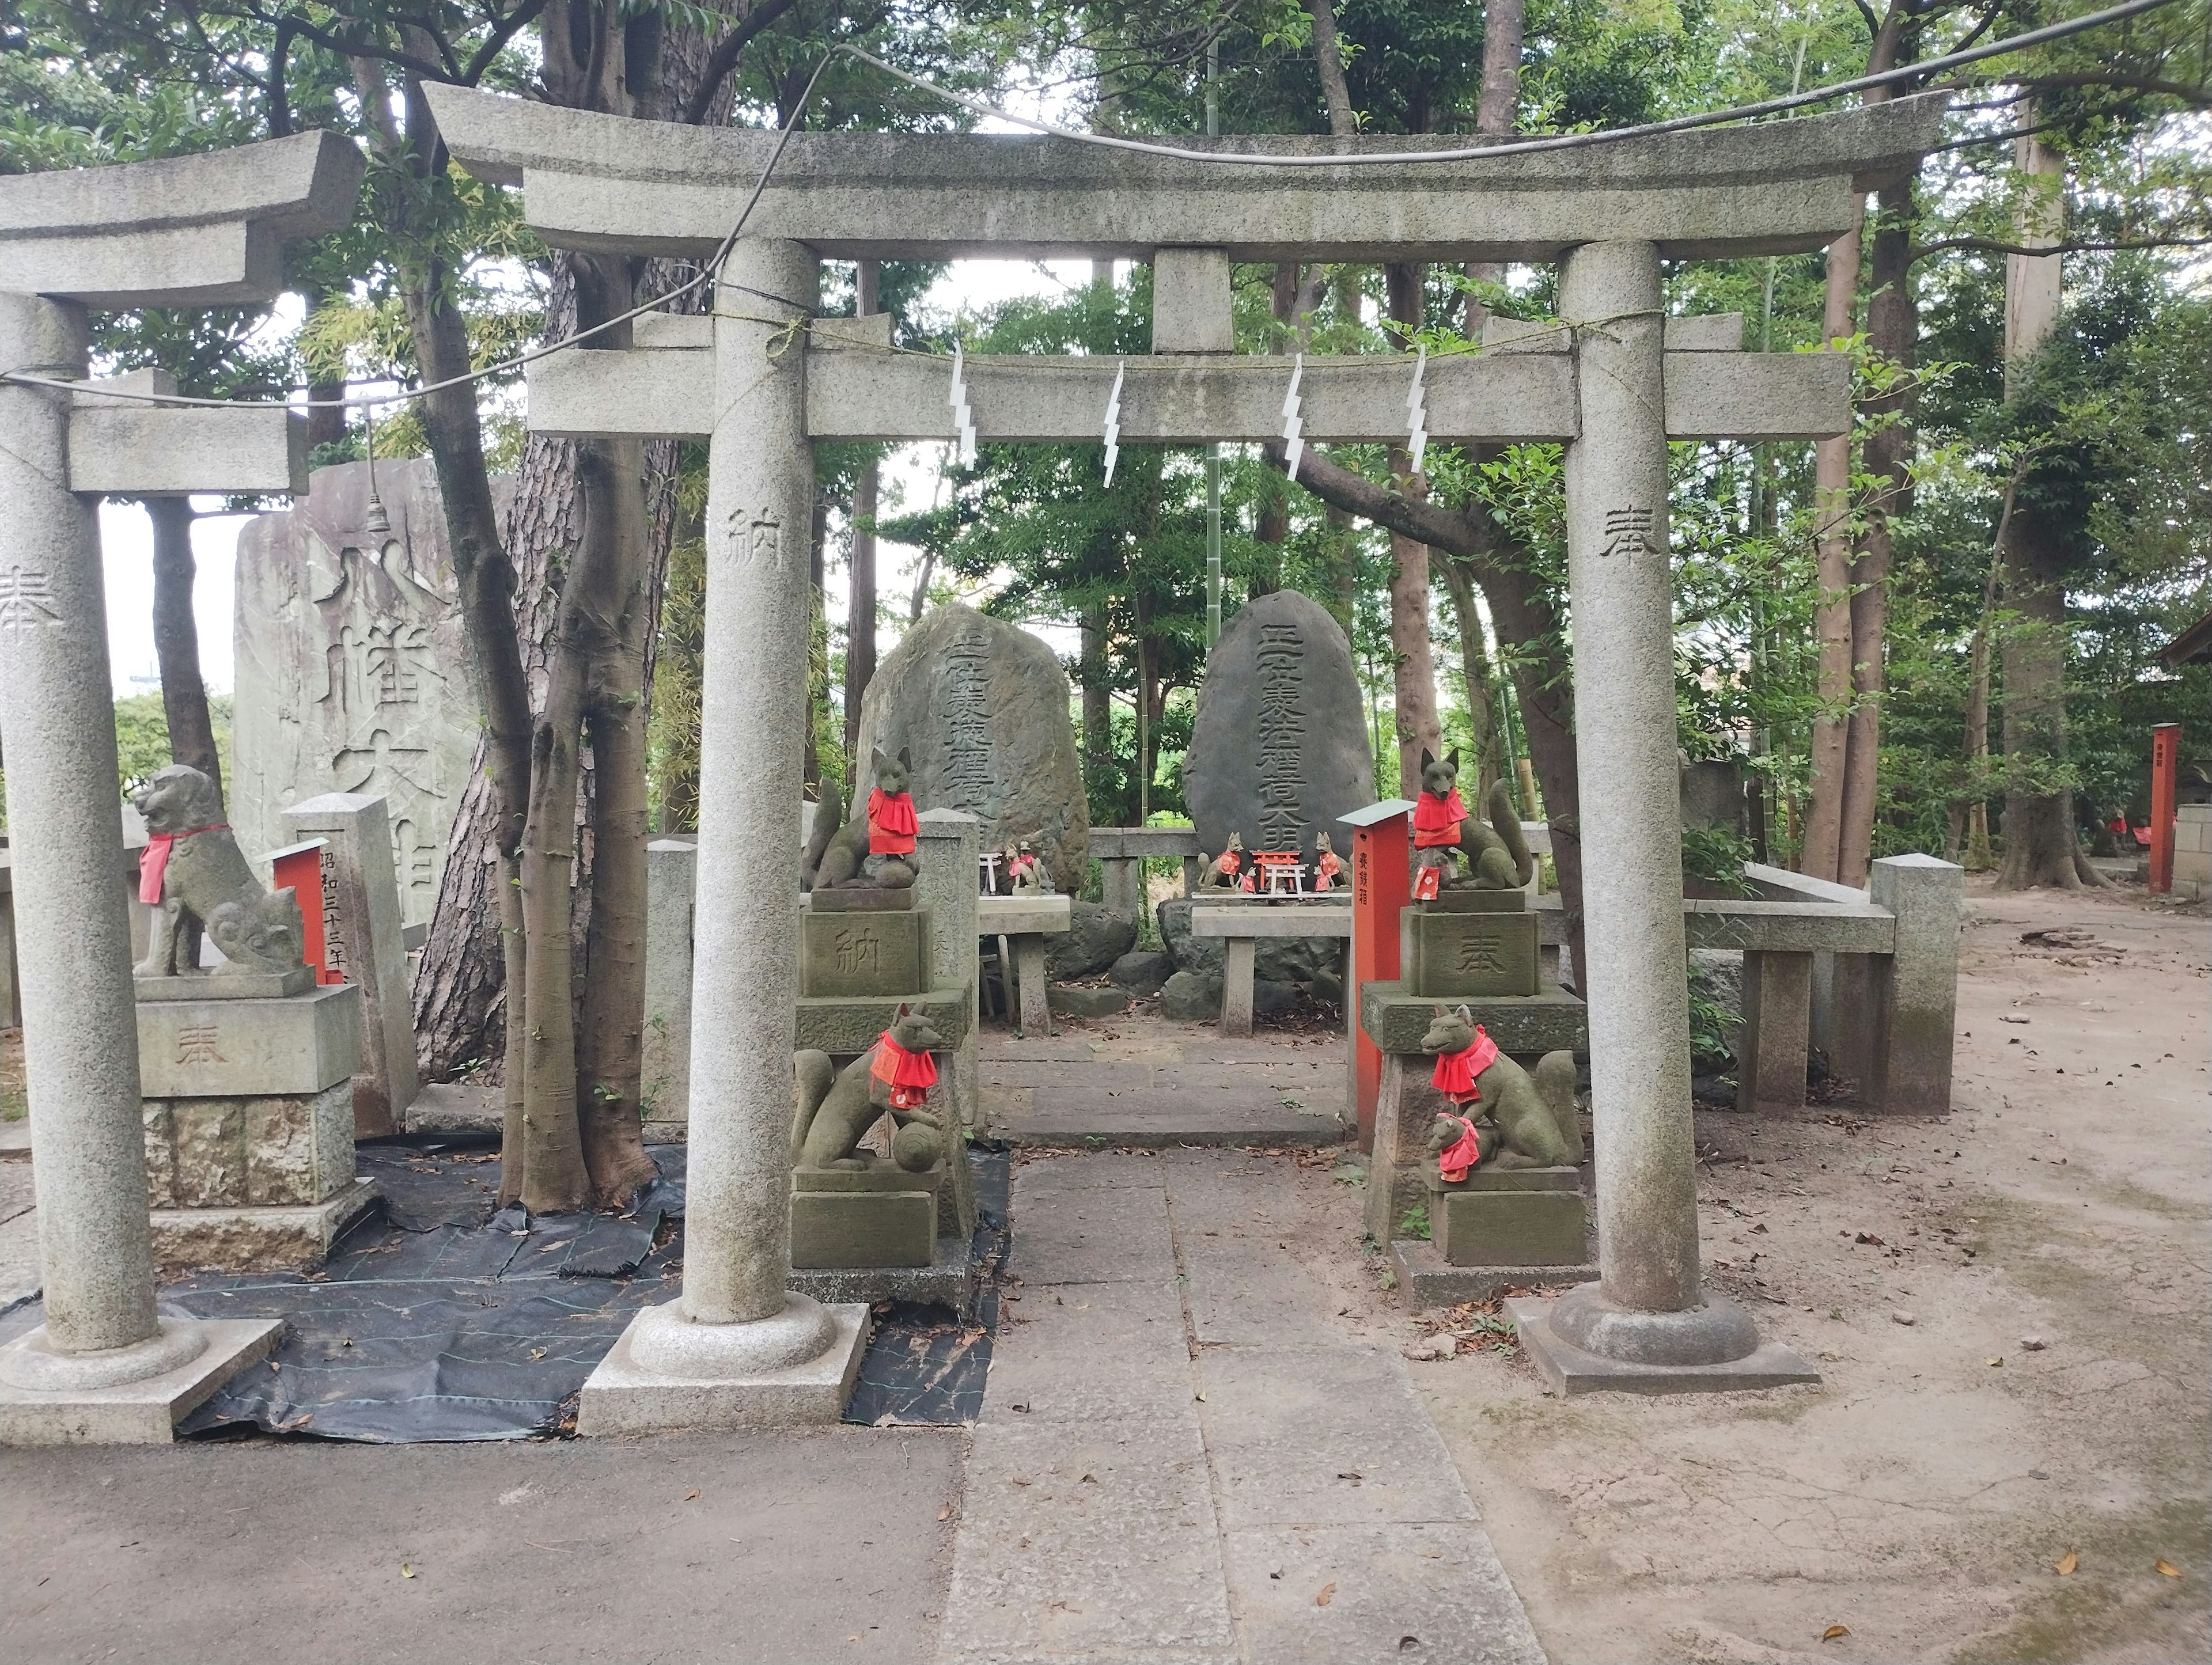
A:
1381,885
299,867
2164,768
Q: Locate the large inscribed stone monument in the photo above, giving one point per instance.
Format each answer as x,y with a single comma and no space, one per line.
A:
1278,747
982,707
350,670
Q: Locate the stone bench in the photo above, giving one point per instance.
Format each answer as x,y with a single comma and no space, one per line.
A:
1240,922
1021,923
1122,852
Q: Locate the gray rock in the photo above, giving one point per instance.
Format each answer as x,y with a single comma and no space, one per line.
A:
1095,936
351,673
1275,959
1142,971
1279,746
1083,1000
1273,999
983,707
1191,997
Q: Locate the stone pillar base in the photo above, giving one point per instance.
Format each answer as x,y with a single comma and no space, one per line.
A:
1567,1369
623,1396
141,1412
267,1239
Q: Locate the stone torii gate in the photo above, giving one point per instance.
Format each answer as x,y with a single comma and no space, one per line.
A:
763,378
193,231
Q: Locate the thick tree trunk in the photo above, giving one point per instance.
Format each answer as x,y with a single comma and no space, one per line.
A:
1831,618
1893,332
1474,672
177,639
1098,711
1414,673
1328,62
860,604
2039,814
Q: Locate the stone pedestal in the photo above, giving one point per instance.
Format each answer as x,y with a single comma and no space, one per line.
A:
877,1216
1469,945
876,952
248,1109
1518,1216
671,870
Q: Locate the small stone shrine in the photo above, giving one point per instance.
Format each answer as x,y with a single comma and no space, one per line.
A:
246,1069
351,674
1278,748
981,708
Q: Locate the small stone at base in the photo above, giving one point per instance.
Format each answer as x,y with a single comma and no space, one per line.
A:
1902,1317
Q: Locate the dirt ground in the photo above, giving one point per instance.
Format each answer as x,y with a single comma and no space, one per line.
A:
2009,1306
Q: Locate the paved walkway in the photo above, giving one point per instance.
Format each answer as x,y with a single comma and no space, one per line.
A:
1187,1454
1145,1082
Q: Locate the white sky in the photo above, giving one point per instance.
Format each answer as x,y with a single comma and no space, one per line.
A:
909,477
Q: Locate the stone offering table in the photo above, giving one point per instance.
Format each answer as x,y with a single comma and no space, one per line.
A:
249,1116
1021,923
1122,851
1240,922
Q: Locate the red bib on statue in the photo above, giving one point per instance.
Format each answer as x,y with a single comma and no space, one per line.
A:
1436,820
153,859
892,823
909,1075
1453,1163
1456,1073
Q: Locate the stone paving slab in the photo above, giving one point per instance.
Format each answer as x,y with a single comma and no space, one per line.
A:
1094,1236
1087,1541
1245,1293
1431,1591
1310,1437
1099,1171
1083,1351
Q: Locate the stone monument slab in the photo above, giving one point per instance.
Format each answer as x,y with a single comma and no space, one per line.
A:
1279,748
351,676
982,708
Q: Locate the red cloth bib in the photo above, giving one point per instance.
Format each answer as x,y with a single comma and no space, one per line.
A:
153,859
892,823
1456,1071
1226,862
909,1075
1464,1153
1436,820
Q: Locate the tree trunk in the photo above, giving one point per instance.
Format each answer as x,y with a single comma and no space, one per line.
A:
1097,713
1413,676
177,639
1893,332
1474,671
861,604
1328,62
1832,627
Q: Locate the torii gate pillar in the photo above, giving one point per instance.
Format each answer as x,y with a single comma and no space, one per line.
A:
1646,1325
735,1349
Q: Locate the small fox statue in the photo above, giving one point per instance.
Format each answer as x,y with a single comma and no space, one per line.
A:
862,852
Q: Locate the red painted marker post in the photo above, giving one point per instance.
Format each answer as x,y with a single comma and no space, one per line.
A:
2164,769
299,867
1381,885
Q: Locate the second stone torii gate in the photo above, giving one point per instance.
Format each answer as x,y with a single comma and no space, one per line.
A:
1615,381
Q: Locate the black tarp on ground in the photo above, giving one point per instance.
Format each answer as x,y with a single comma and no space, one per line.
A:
438,1320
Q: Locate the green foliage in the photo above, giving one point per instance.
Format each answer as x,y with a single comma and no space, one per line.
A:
1714,856
1414,1223
142,736
1712,1026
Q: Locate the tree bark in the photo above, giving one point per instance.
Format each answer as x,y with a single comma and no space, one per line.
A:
1474,671
1328,63
1831,618
1414,675
1098,711
177,639
860,605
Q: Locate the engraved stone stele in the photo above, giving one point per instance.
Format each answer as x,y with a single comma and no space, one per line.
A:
983,707
1279,746
351,675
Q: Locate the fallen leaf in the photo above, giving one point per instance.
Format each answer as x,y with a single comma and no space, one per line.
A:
1835,1631
1328,1595
1405,1642
945,1513
405,1570
537,1352
2163,1565
1088,1479
2066,1564
690,1496
1994,1362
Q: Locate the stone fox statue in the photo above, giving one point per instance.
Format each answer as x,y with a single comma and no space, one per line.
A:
1530,1116
876,850
836,1108
1497,855
193,870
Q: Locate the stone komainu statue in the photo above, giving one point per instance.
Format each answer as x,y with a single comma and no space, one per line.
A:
192,871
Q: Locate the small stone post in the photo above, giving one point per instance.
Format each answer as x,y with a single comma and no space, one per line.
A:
950,842
1647,1310
671,877
1916,1000
1770,1047
366,886
735,1349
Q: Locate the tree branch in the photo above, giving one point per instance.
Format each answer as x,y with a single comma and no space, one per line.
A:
495,43
1355,494
727,52
2198,98
1992,246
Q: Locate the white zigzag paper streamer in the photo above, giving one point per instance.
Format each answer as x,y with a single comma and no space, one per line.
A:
1114,423
962,419
1417,413
1293,422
